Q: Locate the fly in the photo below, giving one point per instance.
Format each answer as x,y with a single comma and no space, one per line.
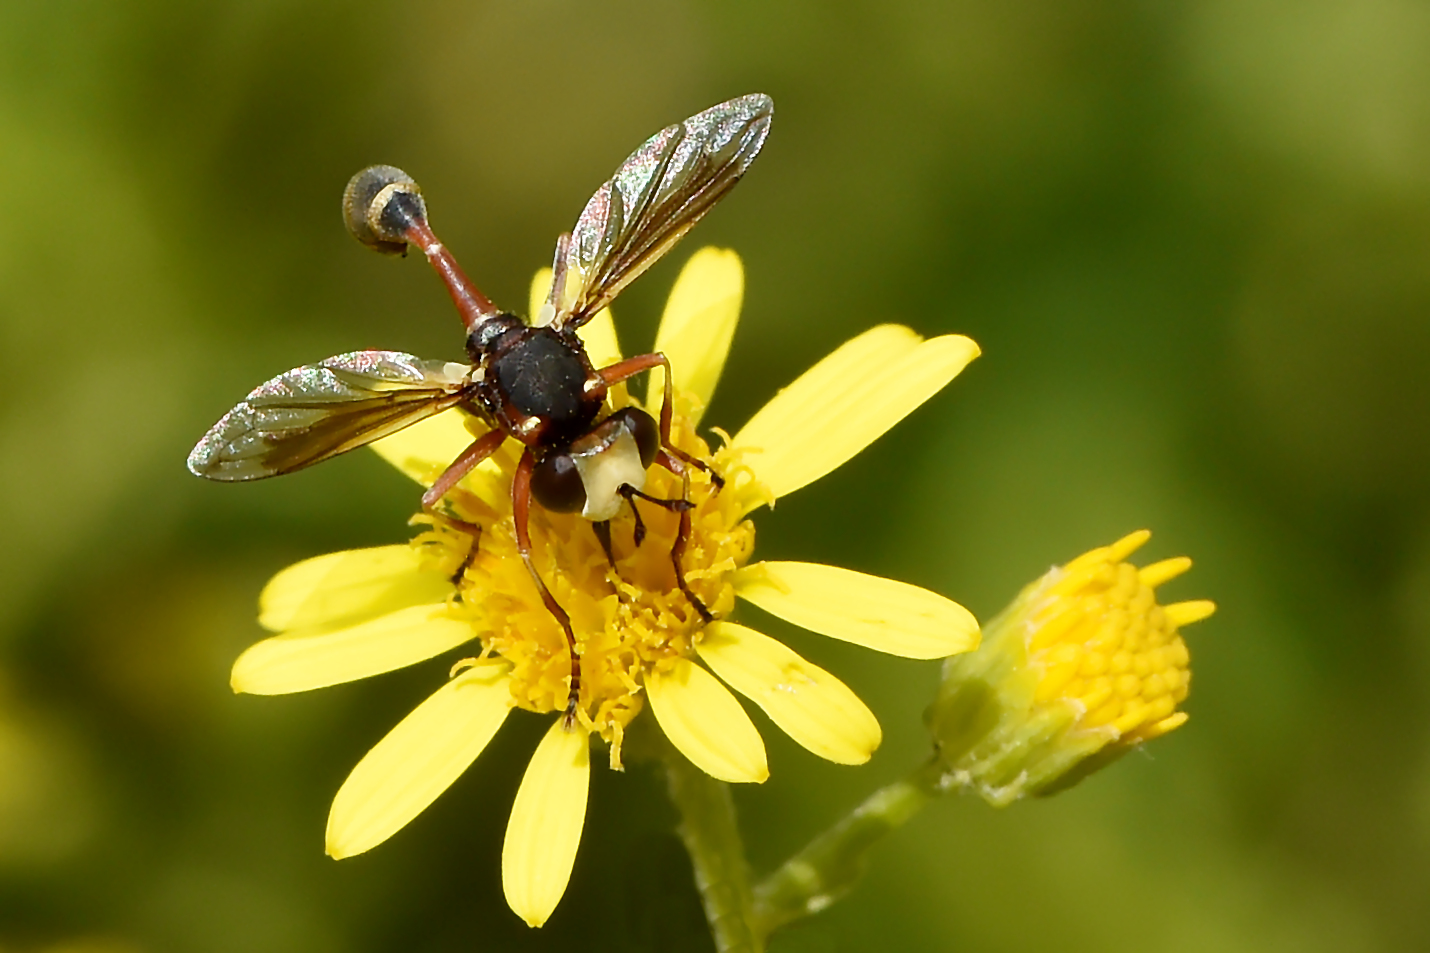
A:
530,382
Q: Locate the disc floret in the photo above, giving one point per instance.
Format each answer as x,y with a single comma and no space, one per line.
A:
630,617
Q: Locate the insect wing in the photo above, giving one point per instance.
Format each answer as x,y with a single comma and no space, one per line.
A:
317,411
654,198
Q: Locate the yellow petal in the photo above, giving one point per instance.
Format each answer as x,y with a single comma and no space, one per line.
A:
348,586
598,334
810,705
698,323
540,288
707,724
300,661
423,450
418,759
1193,610
847,401
545,826
877,613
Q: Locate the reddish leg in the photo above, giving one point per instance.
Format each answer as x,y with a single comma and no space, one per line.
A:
521,513
677,551
479,449
630,367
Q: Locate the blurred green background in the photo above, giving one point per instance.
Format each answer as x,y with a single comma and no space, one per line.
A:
1193,240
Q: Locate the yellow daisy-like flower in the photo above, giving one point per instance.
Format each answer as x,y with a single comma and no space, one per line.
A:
353,614
1082,667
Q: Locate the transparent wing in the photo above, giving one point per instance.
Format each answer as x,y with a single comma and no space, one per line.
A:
654,198
317,411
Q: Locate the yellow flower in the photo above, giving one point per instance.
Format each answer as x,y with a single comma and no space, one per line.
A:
1081,668
353,614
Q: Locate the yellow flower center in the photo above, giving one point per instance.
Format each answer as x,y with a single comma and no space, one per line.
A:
629,619
1097,639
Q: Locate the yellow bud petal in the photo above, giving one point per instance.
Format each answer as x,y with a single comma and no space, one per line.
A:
1185,613
1165,571
1081,668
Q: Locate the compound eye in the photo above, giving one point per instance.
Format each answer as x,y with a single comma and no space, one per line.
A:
643,428
379,205
556,484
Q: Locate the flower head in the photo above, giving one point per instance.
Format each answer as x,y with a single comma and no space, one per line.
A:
641,639
1081,668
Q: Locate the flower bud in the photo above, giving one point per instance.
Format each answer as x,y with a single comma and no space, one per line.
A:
1083,666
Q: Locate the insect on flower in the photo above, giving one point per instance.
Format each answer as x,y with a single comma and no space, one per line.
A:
533,382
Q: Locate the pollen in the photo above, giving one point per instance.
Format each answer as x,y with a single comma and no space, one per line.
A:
630,617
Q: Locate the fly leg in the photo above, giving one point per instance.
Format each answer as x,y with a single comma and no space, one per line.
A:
521,513
467,560
631,494
677,550
623,370
477,451
683,506
602,529
671,457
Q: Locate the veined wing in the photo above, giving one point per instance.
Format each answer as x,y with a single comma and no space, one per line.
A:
317,411
654,198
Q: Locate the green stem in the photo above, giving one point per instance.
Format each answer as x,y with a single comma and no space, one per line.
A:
831,864
711,836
